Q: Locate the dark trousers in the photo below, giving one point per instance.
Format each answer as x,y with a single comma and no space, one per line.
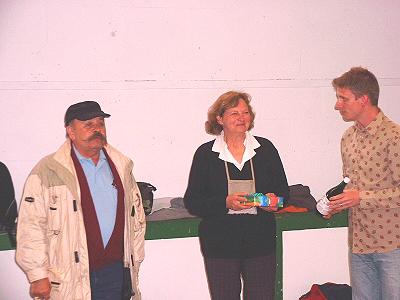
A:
225,275
106,282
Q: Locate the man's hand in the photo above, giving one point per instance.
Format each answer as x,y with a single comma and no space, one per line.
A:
40,289
347,199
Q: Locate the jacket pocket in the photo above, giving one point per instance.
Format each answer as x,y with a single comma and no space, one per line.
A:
56,197
60,281
136,214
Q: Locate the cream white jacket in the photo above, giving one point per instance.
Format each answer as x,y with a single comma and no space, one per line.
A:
51,236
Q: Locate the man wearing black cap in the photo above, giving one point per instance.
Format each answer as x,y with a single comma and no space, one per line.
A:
81,223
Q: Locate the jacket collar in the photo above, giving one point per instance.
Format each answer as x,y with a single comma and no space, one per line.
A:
61,163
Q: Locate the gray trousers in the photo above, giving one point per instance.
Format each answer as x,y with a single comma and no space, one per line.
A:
225,277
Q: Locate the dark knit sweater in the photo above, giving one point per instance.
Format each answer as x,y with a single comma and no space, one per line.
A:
234,236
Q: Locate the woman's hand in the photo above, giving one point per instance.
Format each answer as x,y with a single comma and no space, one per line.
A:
236,201
273,203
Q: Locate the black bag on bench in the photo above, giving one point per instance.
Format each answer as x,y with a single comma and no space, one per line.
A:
146,191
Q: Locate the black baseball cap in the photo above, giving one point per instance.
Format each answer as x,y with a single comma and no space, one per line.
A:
83,111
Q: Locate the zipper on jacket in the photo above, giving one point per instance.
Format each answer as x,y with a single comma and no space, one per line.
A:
74,205
76,256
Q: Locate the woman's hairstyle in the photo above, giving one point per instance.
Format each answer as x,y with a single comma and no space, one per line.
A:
225,101
361,82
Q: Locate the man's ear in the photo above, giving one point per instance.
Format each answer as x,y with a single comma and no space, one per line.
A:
365,100
70,132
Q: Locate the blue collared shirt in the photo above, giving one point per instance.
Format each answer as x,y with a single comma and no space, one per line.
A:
104,194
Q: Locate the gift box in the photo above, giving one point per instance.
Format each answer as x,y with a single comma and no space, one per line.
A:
259,199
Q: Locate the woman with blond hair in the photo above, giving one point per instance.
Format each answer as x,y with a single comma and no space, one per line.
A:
237,242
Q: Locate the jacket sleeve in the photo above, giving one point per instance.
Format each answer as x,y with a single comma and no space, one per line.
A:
269,172
137,233
32,245
139,222
280,184
386,197
200,198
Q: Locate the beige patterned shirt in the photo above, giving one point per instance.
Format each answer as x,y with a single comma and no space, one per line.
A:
371,158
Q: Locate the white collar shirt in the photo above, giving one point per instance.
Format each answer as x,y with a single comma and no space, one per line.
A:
220,146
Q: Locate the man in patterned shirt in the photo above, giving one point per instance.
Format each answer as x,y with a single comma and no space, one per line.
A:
371,158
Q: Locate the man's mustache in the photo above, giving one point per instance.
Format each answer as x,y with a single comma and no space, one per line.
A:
97,135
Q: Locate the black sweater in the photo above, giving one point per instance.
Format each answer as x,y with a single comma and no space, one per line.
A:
223,235
8,205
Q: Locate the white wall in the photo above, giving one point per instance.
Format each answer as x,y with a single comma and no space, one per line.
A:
156,67
316,256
